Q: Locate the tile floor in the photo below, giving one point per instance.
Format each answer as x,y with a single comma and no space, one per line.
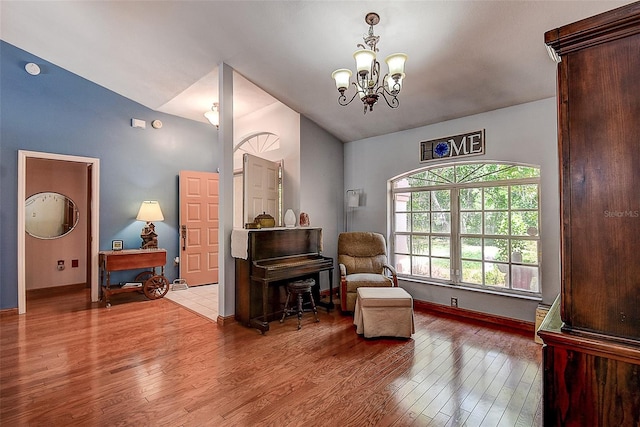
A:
199,299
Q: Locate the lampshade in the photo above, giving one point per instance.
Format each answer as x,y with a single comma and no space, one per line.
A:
341,77
213,115
150,211
396,63
353,200
364,59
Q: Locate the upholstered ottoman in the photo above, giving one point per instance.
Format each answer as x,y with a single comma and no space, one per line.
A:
384,312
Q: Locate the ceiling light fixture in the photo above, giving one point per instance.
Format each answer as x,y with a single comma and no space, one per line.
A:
368,85
213,115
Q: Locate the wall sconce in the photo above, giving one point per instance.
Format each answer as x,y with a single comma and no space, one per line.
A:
213,115
353,201
149,211
353,198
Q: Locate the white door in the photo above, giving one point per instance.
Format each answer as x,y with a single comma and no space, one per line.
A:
199,223
261,188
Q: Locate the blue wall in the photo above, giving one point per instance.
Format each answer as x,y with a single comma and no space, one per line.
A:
60,112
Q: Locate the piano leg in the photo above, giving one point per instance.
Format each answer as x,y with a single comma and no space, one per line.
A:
328,305
264,325
260,325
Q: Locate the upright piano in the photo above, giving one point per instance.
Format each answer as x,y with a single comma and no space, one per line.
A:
273,258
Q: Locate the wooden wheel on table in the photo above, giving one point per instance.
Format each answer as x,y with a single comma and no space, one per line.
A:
144,276
156,287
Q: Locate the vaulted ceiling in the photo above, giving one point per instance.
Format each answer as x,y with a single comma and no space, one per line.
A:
465,57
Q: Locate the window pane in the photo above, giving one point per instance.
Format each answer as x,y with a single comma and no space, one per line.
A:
401,183
470,199
418,179
420,201
471,248
472,272
496,274
403,264
441,200
440,268
420,245
444,175
401,245
524,251
421,222
440,222
496,250
524,278
496,223
402,202
420,266
403,222
497,231
524,196
522,222
440,246
496,198
465,173
471,222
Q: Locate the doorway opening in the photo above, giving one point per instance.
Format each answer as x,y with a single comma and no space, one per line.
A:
92,207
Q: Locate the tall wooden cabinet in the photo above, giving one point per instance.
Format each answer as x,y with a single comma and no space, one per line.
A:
592,334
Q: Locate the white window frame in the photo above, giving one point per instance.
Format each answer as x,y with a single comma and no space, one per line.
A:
455,258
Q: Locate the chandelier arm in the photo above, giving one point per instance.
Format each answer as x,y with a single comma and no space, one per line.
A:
394,103
342,98
384,90
375,71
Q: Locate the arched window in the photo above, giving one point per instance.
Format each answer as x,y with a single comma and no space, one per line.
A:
469,224
256,144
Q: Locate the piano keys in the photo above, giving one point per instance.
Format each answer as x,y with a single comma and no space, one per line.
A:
273,258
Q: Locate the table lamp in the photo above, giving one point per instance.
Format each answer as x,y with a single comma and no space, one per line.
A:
149,211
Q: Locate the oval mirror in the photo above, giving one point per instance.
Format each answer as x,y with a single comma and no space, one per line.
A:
50,215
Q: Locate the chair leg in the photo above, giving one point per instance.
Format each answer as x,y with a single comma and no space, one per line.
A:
313,305
286,304
299,309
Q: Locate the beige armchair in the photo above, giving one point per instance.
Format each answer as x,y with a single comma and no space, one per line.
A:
362,258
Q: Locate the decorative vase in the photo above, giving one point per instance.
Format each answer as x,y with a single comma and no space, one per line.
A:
304,220
289,218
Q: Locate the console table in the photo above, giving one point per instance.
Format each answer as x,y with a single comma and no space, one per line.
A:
153,285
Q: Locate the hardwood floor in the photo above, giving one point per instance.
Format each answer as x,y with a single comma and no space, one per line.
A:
69,362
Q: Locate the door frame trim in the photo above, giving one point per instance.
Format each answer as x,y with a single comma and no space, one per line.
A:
95,210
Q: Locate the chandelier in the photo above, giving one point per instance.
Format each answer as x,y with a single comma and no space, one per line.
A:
368,85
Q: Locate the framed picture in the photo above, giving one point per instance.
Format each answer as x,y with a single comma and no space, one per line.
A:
116,245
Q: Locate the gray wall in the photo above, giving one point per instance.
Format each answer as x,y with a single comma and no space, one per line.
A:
524,133
321,184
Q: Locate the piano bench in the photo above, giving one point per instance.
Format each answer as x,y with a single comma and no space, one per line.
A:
299,288
384,312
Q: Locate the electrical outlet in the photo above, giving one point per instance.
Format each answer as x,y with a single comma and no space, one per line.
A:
454,302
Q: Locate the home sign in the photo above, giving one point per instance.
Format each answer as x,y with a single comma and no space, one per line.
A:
466,144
